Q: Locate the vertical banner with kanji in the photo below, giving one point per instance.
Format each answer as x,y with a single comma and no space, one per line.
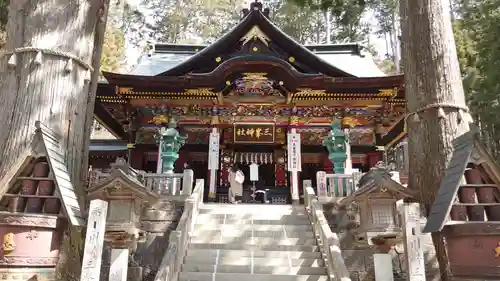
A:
213,161
294,152
213,155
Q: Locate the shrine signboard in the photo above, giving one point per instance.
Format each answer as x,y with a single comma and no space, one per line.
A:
253,133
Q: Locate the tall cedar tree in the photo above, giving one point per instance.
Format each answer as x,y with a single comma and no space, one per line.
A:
432,75
61,100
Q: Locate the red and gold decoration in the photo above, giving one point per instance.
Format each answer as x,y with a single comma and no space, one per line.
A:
280,168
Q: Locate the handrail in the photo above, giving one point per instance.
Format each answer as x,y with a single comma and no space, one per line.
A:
327,240
179,238
166,184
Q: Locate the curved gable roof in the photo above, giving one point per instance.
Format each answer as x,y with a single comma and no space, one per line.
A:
256,18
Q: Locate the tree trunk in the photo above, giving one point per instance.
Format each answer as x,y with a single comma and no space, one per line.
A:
432,75
59,96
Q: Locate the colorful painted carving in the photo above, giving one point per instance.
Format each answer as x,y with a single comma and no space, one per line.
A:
159,119
8,244
362,136
255,84
355,121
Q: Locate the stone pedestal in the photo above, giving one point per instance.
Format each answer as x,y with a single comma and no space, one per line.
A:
383,267
119,265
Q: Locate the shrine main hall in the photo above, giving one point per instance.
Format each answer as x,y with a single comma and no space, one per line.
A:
251,90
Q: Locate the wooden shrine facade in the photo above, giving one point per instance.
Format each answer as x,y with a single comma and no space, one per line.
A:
254,85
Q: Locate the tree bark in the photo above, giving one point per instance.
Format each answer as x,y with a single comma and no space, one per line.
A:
60,98
432,75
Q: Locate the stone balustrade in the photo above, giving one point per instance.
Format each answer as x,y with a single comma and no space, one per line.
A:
179,239
164,184
331,186
327,240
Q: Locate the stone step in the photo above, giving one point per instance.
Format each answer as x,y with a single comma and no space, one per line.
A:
204,276
253,233
253,210
247,216
256,269
254,240
284,220
256,254
256,227
251,207
254,247
254,261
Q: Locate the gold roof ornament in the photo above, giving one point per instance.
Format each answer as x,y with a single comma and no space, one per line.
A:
388,92
309,92
255,33
124,91
200,92
254,76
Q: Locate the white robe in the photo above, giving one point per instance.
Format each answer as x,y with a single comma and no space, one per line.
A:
236,188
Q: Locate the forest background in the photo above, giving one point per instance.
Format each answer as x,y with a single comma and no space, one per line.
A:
137,24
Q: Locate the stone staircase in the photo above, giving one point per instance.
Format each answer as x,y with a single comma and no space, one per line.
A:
253,243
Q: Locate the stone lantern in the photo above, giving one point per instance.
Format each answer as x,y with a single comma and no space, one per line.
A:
335,143
126,196
377,227
170,144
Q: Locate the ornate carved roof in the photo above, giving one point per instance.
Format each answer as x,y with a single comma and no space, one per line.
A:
378,179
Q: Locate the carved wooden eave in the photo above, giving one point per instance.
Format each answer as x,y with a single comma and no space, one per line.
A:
119,185
45,143
378,182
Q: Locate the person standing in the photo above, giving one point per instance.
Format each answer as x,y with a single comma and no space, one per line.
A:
236,179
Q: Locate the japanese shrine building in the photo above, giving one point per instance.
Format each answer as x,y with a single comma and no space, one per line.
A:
253,86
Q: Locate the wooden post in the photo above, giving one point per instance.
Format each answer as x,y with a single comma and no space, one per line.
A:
94,240
187,182
414,254
119,265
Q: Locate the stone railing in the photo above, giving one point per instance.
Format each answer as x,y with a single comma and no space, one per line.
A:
336,185
327,240
179,238
164,184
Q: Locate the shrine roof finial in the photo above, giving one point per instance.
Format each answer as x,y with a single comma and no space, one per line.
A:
255,6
